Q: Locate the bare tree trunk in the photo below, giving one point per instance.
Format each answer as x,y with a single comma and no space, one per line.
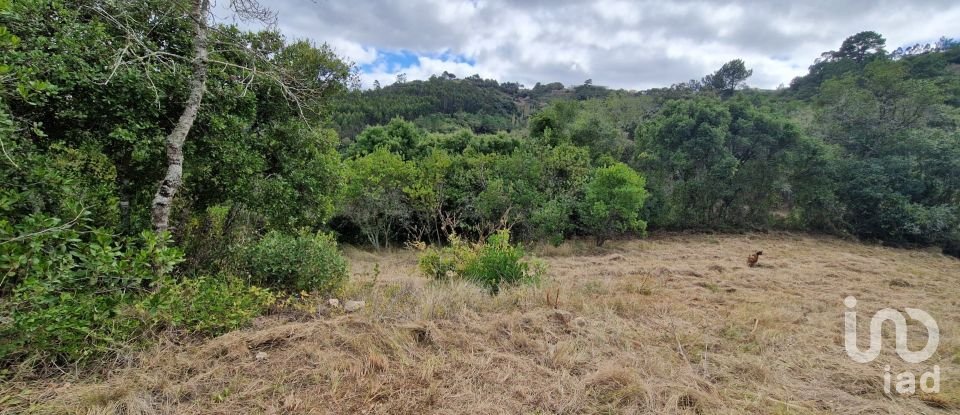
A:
163,199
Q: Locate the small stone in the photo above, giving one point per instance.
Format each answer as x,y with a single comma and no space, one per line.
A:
260,356
351,305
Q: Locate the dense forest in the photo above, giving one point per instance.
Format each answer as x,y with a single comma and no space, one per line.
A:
287,157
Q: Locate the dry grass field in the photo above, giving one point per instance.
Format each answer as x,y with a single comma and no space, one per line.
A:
669,324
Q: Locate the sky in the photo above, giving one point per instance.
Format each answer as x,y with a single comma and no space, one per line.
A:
616,43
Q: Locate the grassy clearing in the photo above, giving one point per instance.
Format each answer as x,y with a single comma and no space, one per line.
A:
671,324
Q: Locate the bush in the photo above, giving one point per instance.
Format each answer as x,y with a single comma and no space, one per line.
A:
952,246
205,305
447,262
552,220
67,258
74,327
613,201
302,262
491,264
46,326
68,292
498,262
213,240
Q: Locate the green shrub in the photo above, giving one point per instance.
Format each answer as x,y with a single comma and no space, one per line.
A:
68,289
498,262
213,240
613,201
49,326
205,305
447,262
301,262
77,258
491,264
74,327
552,220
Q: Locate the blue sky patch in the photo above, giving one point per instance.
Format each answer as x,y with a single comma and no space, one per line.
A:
392,60
399,60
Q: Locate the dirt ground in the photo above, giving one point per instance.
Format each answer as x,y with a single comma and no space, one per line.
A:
669,324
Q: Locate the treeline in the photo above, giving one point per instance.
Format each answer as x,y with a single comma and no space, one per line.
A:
445,103
441,103
870,150
404,185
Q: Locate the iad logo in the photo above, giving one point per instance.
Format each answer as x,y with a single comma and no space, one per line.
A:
906,381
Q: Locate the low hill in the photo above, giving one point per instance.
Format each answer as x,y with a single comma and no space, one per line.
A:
445,103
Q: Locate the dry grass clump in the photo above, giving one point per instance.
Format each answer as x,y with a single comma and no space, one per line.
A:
673,324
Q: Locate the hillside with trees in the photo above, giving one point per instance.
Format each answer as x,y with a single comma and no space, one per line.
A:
163,173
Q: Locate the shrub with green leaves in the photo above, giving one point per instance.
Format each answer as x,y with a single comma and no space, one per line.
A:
952,246
300,262
205,305
43,325
69,289
497,262
491,264
214,240
449,261
614,198
63,258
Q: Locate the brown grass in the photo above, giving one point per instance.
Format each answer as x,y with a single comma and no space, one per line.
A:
671,324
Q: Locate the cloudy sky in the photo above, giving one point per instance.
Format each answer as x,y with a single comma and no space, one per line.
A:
617,43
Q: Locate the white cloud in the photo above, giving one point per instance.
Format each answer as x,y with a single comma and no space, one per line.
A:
627,44
355,52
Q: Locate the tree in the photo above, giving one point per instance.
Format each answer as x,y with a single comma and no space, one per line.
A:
297,70
613,199
373,197
728,78
427,195
869,113
198,16
860,46
897,180
163,199
714,163
398,137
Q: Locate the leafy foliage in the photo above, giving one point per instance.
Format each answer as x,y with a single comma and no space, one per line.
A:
865,144
301,262
728,78
373,197
69,293
613,199
491,264
84,109
441,103
204,305
499,263
715,163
